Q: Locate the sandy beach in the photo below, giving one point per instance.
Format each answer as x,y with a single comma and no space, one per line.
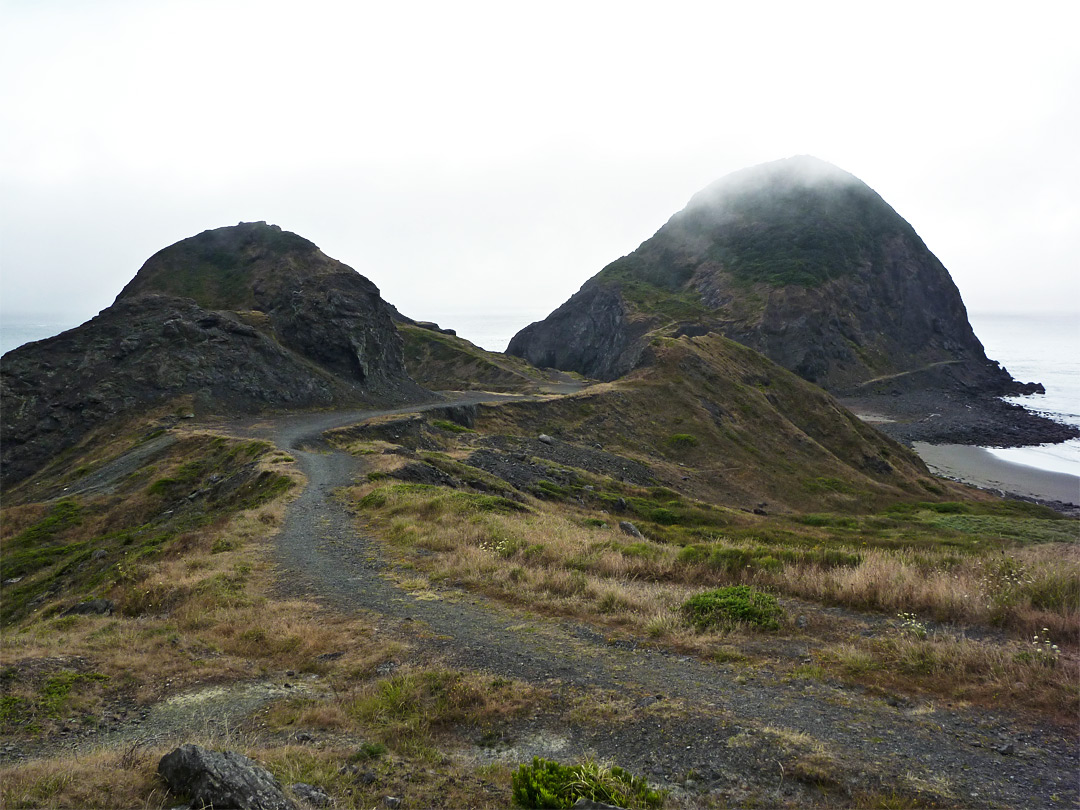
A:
981,468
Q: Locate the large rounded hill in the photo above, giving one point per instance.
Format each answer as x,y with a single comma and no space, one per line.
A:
796,259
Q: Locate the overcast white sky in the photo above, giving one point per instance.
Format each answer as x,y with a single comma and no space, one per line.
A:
493,156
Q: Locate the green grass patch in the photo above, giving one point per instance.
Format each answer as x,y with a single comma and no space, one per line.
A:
681,441
731,606
63,515
452,427
429,501
546,783
57,690
824,484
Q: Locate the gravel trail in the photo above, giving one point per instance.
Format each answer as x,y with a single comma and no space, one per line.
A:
741,722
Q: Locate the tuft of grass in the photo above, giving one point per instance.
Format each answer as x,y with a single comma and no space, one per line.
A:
546,783
682,441
452,427
733,605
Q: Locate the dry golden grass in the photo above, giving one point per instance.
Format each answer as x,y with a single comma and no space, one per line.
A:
548,560
104,779
962,671
198,610
976,590
547,555
13,519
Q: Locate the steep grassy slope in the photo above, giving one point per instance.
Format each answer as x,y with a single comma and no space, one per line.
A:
733,428
445,362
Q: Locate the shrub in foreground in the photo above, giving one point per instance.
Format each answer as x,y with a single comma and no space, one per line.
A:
546,783
737,604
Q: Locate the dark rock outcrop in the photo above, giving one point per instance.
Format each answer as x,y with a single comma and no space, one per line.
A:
102,607
267,321
597,333
316,797
796,259
222,780
313,305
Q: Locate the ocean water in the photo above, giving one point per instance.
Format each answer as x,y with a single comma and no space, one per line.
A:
1045,348
1033,347
490,330
20,329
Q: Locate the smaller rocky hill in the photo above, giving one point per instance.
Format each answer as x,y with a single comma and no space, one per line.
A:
312,304
237,319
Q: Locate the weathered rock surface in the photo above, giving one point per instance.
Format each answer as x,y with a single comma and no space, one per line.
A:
267,321
222,780
99,606
796,259
597,333
313,305
316,797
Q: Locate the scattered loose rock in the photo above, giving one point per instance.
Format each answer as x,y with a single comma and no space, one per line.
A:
630,529
99,606
589,804
311,794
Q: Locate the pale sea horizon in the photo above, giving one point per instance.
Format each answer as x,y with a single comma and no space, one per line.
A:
1034,347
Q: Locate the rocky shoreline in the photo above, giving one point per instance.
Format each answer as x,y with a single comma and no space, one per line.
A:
950,417
948,430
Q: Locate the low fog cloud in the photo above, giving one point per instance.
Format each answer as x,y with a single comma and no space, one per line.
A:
492,157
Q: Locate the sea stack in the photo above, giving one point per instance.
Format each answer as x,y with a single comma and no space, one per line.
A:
796,259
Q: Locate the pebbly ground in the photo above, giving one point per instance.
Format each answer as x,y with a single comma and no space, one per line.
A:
711,733
728,730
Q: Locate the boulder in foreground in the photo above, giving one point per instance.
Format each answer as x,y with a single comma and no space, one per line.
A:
222,780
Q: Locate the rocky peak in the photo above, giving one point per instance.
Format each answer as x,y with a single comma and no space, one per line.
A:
234,268
797,259
238,319
314,305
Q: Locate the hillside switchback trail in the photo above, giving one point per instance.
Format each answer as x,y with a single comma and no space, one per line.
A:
964,757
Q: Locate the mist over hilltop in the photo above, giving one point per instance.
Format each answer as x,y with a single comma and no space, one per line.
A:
795,258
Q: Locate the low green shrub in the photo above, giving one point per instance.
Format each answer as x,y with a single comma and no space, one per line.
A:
665,517
736,604
693,555
546,783
682,440
452,427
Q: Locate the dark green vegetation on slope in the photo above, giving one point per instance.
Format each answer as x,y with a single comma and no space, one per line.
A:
84,548
445,362
217,270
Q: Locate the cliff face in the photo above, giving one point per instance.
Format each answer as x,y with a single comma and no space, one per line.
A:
243,319
796,259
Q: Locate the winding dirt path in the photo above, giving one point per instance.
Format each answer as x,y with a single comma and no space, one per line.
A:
741,721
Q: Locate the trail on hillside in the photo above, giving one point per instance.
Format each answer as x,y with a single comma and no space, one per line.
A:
964,756
908,373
